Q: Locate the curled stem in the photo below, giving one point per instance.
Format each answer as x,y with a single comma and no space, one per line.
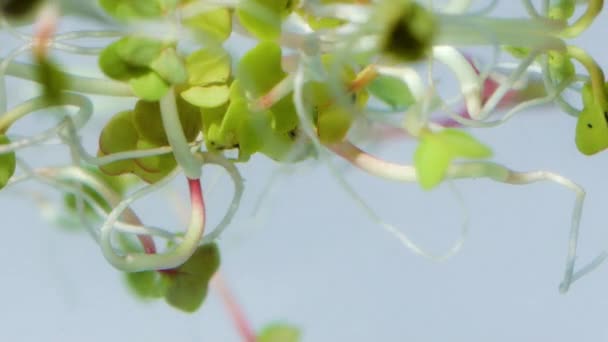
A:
493,171
136,262
68,99
594,8
595,73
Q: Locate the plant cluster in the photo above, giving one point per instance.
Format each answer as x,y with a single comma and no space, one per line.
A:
318,68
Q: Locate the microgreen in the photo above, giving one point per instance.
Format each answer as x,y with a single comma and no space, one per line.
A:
300,91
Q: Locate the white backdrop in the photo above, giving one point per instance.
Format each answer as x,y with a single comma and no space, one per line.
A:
312,258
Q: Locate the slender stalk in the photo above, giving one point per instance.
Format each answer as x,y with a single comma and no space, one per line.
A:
75,83
177,140
462,30
278,92
595,73
111,198
136,262
234,309
594,8
38,103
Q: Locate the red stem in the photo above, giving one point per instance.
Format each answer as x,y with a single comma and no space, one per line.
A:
148,243
236,313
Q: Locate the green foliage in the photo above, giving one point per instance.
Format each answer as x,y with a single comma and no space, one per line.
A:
142,129
187,285
139,51
207,97
149,65
146,285
135,9
592,124
259,70
561,66
392,91
8,163
214,25
208,66
436,151
184,287
169,66
263,17
334,105
149,86
119,135
279,332
562,9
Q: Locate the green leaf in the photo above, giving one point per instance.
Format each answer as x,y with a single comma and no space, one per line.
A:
391,91
149,86
146,285
170,67
115,67
431,160
139,50
279,332
8,163
189,117
261,17
237,113
333,123
209,65
259,70
132,9
436,151
148,122
562,9
118,135
461,144
162,163
561,66
284,115
212,120
207,97
253,133
187,286
214,25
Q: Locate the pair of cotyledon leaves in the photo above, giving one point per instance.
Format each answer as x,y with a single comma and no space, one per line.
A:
142,129
184,287
261,17
149,65
228,120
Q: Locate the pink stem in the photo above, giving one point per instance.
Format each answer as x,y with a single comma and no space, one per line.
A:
236,313
197,202
148,243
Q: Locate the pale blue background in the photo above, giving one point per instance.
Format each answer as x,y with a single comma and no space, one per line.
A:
311,257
